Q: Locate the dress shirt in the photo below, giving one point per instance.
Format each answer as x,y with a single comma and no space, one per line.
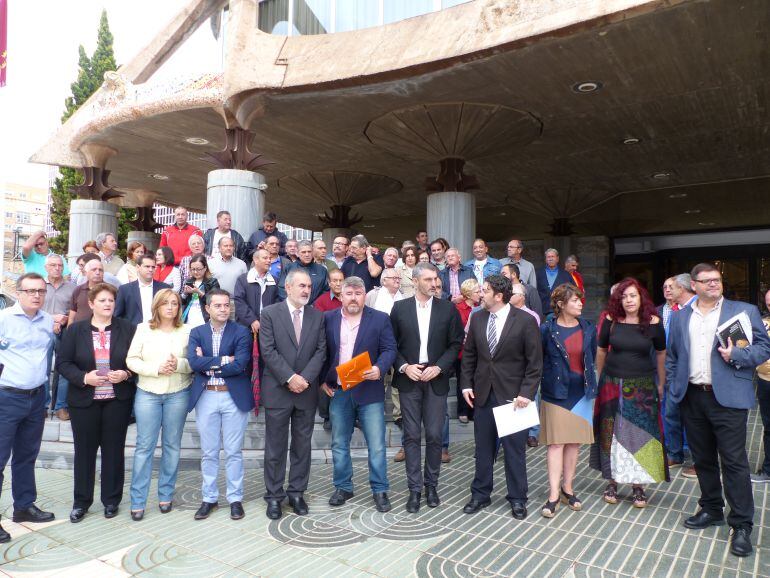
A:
216,341
146,295
702,330
423,322
58,300
150,349
532,313
24,347
501,317
292,309
526,270
348,333
454,282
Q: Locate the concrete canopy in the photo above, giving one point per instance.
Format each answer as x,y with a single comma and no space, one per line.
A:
687,81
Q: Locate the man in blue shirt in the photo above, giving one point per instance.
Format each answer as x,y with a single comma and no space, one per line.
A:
26,336
33,254
550,277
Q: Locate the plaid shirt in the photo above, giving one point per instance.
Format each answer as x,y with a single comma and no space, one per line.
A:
454,286
216,341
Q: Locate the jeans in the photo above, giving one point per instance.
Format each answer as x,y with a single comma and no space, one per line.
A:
217,416
673,433
343,411
155,411
58,380
763,396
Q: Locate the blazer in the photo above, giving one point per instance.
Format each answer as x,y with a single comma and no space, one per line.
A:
248,300
445,338
129,303
240,245
532,300
283,358
463,274
556,370
733,383
543,289
236,342
76,358
208,285
517,365
375,335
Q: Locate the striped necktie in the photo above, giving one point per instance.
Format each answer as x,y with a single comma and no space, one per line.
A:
492,333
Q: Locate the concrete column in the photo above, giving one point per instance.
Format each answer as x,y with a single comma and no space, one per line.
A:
593,253
452,215
88,219
149,239
241,193
329,233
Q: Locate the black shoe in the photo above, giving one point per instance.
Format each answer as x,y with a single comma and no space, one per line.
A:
205,510
475,505
339,497
236,511
32,514
111,511
77,515
299,505
431,496
398,422
532,442
273,509
703,520
740,544
519,510
413,503
137,516
165,508
381,502
4,536
327,424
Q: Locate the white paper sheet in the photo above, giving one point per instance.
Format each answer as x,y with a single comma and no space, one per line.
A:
510,419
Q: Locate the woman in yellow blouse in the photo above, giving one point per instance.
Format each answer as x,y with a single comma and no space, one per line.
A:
158,355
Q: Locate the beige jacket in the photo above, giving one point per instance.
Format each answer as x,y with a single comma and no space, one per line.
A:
150,349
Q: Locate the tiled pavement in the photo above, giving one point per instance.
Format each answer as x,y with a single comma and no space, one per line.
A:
355,540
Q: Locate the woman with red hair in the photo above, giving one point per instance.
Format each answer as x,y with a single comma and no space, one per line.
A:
628,431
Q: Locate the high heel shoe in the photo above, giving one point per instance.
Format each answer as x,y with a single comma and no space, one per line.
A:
571,500
549,509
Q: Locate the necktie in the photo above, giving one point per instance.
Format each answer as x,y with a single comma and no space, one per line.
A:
492,333
297,324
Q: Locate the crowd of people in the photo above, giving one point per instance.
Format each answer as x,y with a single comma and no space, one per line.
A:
192,327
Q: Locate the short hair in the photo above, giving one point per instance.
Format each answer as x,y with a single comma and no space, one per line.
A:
293,273
52,256
562,294
145,257
571,259
89,245
157,302
551,250
31,276
469,287
703,268
420,268
132,247
477,239
180,207
86,257
221,213
455,249
361,240
277,240
304,243
409,249
168,255
225,238
256,252
270,217
337,271
195,237
85,265
684,280
101,238
513,268
523,289
441,241
407,243
355,282
214,292
390,249
98,288
318,241
200,259
500,285
419,231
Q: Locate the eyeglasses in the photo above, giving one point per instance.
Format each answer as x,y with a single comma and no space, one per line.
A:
519,294
197,269
31,292
715,281
338,243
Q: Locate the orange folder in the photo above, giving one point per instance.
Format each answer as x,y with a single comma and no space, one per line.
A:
351,372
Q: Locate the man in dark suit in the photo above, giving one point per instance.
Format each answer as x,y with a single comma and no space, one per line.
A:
219,353
550,277
254,291
351,331
429,335
502,362
292,345
134,301
714,388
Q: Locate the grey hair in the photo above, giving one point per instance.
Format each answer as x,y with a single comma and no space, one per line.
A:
86,266
304,243
422,267
551,250
361,240
390,249
194,237
684,281
571,259
293,273
521,287
219,243
52,256
101,238
355,282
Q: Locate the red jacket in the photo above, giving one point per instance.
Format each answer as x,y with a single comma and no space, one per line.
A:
326,303
176,238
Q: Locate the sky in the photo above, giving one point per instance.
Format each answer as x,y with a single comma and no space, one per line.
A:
43,40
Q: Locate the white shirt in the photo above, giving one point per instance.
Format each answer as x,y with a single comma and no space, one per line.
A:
145,294
215,244
478,270
423,322
702,330
501,317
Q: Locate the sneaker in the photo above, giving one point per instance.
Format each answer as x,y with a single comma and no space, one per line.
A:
760,478
689,472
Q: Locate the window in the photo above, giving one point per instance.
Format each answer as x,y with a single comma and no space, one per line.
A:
356,14
23,218
9,214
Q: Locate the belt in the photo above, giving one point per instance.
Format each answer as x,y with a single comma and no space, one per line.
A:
701,386
29,392
216,387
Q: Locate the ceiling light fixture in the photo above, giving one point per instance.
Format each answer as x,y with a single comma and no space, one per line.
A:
503,214
661,176
158,176
692,211
586,87
707,224
368,226
195,140
677,195
631,140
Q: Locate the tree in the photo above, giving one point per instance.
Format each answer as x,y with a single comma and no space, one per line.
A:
90,77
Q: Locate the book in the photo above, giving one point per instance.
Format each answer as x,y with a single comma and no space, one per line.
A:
737,328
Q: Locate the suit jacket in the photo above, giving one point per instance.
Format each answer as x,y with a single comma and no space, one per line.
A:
236,342
733,383
515,368
445,338
532,300
283,358
75,358
248,299
129,303
543,289
375,335
463,274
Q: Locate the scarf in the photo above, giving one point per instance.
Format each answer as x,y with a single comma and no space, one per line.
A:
162,272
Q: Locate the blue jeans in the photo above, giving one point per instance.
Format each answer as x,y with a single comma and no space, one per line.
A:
218,418
343,411
673,433
155,411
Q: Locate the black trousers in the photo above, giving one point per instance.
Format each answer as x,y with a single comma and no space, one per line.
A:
278,421
763,396
514,447
103,425
462,406
323,404
422,407
716,433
